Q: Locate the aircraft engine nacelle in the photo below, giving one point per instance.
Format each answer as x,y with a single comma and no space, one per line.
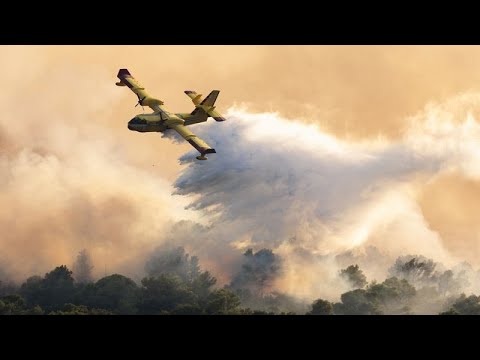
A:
149,101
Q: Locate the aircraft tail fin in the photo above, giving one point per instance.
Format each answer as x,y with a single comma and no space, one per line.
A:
206,105
211,98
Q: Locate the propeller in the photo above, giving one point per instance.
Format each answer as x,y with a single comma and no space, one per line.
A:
140,102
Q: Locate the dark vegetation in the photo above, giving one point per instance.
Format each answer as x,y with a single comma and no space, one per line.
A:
176,285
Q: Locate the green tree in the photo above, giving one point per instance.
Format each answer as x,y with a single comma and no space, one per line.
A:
58,288
357,302
452,284
417,270
187,309
450,312
71,309
31,288
354,276
222,302
202,285
393,296
321,307
11,305
465,305
177,263
274,301
164,294
258,271
391,288
35,310
52,292
16,305
7,288
115,293
248,311
173,262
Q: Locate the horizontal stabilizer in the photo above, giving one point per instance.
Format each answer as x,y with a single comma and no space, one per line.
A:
196,98
216,115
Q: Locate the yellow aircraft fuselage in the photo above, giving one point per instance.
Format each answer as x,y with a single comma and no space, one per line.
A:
156,122
161,119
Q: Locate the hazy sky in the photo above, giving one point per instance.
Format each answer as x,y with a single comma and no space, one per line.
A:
355,90
74,176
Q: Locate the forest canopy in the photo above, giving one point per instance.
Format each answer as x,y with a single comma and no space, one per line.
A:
175,284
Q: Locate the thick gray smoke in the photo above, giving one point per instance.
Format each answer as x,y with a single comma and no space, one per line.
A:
82,268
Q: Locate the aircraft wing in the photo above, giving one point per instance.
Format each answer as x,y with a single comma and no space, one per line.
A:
203,107
201,146
126,79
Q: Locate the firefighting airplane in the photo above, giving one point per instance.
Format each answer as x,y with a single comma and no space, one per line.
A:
161,119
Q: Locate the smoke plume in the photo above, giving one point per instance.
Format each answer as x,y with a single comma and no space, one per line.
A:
311,197
68,182
321,194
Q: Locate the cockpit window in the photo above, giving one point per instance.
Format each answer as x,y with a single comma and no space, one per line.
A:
137,121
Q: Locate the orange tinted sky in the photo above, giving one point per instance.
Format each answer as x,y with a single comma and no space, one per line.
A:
62,101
